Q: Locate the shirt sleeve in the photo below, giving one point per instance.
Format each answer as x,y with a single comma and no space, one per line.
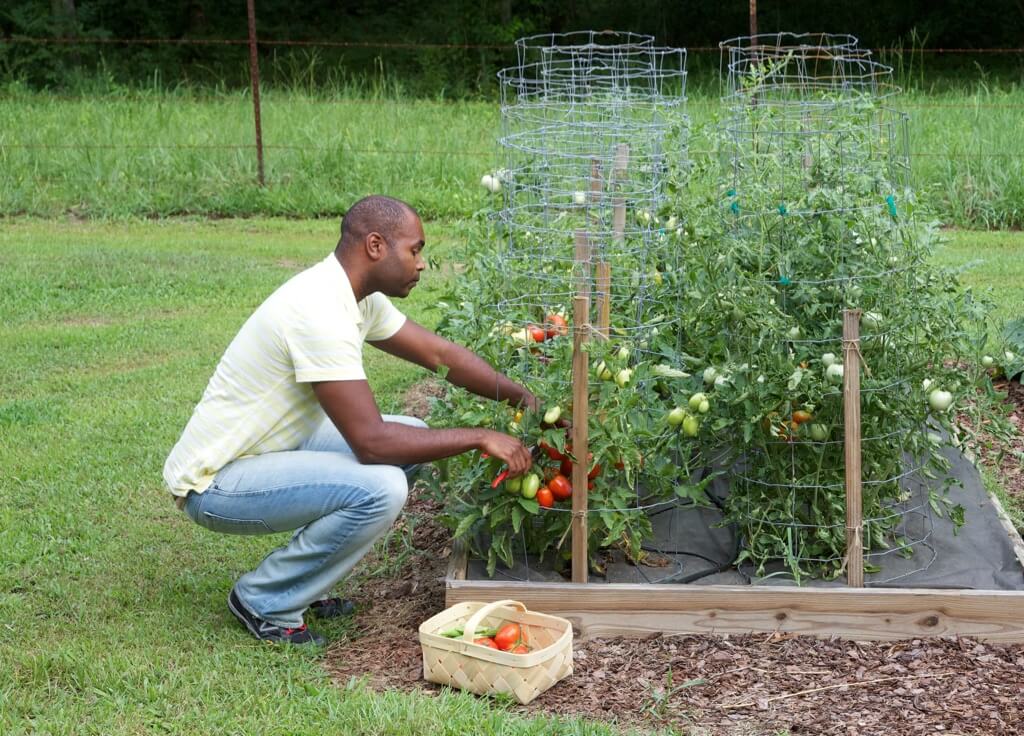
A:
382,317
325,349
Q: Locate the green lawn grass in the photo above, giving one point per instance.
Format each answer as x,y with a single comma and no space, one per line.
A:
989,261
112,604
157,152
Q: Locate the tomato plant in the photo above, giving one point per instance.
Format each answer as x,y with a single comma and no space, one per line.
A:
724,351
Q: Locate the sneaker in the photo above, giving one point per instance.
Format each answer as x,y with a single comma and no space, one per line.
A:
332,607
266,631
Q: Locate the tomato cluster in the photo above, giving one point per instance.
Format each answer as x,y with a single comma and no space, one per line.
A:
509,637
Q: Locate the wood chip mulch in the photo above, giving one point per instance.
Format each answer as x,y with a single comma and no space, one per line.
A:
703,684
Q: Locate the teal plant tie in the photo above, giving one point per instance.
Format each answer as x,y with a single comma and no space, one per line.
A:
735,207
891,202
731,193
782,209
784,280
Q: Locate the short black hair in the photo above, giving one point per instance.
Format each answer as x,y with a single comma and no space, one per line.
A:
375,213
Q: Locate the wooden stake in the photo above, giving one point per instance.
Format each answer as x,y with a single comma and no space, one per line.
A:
595,181
604,275
851,415
580,408
619,167
604,298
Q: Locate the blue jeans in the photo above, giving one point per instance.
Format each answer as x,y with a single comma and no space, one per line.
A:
337,505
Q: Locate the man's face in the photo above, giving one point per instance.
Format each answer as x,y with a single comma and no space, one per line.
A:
400,269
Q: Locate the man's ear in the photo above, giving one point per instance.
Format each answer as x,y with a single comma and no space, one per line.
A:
375,246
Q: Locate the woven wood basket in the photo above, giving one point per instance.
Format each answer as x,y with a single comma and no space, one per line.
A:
462,664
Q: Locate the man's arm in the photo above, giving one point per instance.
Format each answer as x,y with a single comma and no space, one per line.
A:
466,369
352,408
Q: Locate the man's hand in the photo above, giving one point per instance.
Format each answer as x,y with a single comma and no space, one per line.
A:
422,347
508,449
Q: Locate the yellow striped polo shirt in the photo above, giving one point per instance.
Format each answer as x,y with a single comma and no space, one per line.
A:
260,399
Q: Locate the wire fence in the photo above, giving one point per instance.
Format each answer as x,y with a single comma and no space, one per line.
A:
979,151
87,41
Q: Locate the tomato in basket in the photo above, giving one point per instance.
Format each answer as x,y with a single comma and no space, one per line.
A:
508,636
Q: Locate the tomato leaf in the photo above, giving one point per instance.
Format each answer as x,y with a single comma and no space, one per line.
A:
517,517
530,505
466,523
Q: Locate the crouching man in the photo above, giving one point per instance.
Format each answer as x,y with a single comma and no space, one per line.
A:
288,436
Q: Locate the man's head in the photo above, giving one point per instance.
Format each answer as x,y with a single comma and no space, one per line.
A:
382,237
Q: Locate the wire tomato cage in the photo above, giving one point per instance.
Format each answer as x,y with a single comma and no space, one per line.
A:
817,218
592,122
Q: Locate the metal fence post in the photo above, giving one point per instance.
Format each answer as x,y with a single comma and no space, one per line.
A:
254,76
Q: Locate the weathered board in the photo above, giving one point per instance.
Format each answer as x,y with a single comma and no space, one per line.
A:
636,610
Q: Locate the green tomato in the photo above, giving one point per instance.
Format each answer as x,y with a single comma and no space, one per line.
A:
987,361
623,354
940,400
551,415
819,432
675,417
623,377
705,407
695,401
828,359
871,320
531,483
710,374
603,372
691,425
834,373
514,485
793,333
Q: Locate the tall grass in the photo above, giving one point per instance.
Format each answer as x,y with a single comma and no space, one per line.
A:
156,152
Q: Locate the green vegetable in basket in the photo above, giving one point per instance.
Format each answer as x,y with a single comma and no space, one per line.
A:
458,631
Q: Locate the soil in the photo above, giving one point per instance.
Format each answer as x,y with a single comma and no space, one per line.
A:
704,684
416,402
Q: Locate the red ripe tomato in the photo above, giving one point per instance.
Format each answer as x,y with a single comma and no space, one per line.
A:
486,641
537,334
566,468
556,325
545,498
594,471
590,485
507,636
552,453
521,649
560,487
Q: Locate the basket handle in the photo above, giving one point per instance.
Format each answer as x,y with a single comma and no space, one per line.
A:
469,632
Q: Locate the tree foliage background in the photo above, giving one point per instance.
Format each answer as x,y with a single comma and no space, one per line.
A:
446,67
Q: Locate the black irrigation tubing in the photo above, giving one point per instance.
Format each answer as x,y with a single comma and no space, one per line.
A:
412,45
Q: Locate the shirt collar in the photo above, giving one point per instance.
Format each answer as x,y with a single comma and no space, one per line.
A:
348,297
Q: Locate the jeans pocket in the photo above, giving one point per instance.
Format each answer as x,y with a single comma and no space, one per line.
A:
228,525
